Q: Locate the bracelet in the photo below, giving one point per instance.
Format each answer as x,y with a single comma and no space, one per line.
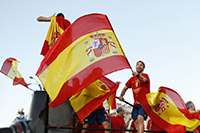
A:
138,75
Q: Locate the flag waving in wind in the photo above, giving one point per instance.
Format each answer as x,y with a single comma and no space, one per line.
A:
9,68
167,109
86,51
112,103
91,97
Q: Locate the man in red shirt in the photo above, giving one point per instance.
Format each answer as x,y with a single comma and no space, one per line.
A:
191,107
117,122
139,82
57,26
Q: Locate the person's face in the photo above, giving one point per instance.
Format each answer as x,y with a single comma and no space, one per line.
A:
139,67
122,113
192,108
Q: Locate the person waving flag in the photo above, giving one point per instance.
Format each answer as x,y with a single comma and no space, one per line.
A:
86,51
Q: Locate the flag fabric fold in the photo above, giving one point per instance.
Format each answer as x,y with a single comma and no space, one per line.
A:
86,51
57,27
168,110
91,97
9,68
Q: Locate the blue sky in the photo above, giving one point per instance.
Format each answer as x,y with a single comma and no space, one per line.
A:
164,34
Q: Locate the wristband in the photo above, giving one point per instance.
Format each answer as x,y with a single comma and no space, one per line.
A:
138,75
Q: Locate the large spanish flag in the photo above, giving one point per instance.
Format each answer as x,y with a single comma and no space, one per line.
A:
9,68
168,110
91,97
92,52
57,27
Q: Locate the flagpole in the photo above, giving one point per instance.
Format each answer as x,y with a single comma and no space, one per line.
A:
127,103
39,85
30,89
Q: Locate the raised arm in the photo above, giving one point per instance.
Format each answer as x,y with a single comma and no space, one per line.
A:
45,19
193,111
140,77
123,93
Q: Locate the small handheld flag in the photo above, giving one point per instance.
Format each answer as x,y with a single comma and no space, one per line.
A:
9,68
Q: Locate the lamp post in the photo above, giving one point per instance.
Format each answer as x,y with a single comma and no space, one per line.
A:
37,82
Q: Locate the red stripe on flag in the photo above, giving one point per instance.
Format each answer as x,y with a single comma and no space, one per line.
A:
92,105
178,101
20,81
113,101
7,65
63,23
160,122
82,26
93,72
45,48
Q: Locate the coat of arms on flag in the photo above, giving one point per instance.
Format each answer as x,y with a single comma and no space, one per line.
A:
101,44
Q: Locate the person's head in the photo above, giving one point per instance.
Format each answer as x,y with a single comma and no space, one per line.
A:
61,15
120,111
140,66
190,105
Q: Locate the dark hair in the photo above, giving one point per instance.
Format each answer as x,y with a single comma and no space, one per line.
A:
60,14
141,62
189,104
119,109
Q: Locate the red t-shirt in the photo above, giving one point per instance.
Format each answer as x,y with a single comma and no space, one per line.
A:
63,23
137,85
117,123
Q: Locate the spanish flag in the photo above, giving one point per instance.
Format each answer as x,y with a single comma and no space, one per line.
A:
112,103
91,97
168,110
57,27
92,52
9,68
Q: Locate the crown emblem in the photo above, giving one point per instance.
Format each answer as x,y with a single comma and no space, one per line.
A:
99,46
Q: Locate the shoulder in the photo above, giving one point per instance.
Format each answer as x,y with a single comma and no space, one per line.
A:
145,75
120,117
132,78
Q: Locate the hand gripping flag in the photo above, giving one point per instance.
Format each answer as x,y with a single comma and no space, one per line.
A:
91,97
9,68
57,27
86,51
167,110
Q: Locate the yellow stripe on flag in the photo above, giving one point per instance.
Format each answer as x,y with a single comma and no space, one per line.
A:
11,73
54,32
165,108
89,93
75,58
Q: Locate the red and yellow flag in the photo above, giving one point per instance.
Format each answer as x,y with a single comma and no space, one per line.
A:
57,27
92,52
9,68
167,109
112,102
91,97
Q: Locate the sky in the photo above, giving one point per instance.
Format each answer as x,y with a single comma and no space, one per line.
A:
164,34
